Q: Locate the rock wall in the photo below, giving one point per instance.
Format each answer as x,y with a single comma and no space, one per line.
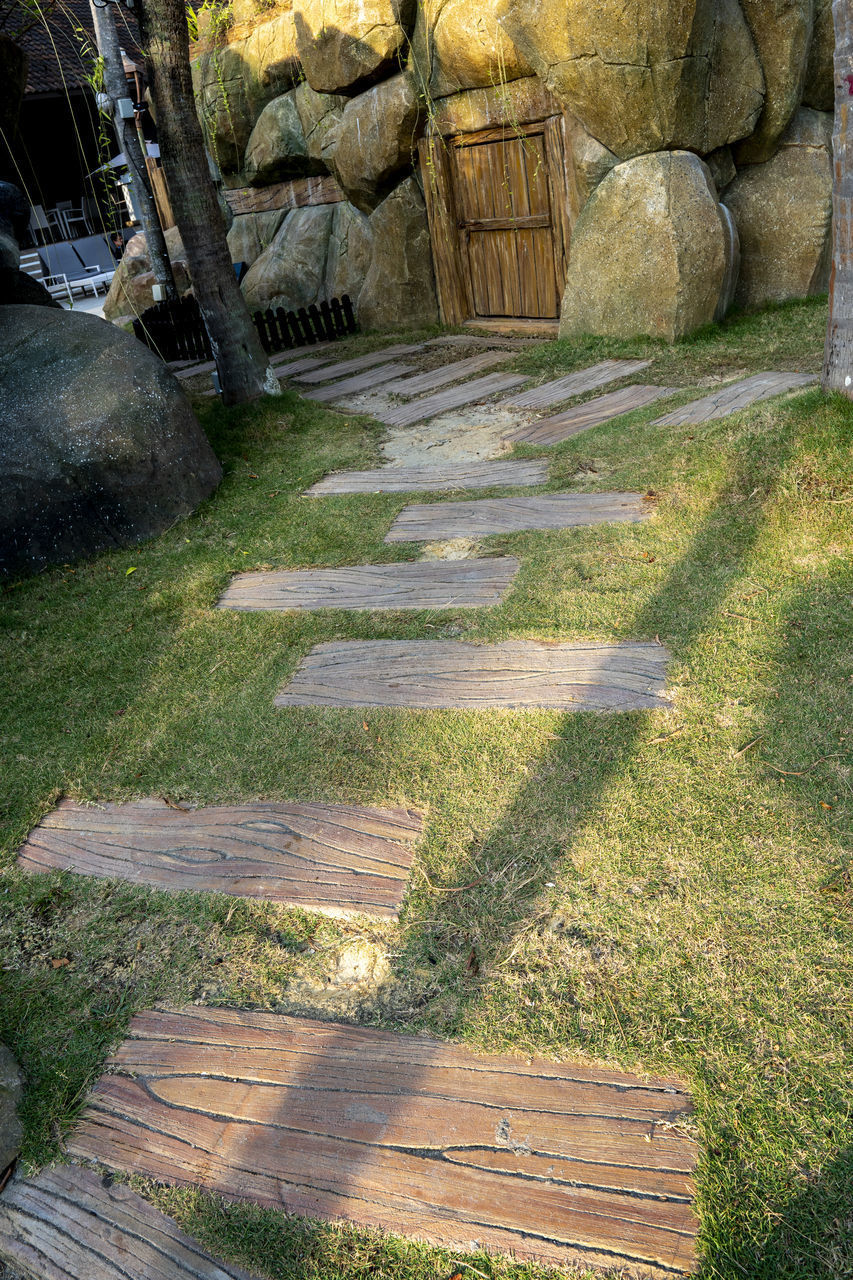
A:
689,124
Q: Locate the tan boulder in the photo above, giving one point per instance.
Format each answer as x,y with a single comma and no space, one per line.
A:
291,272
782,31
783,210
399,290
648,76
377,140
458,45
471,109
320,115
346,45
252,233
132,289
277,148
819,85
652,252
235,79
350,251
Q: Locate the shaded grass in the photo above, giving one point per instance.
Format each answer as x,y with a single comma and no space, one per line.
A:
668,891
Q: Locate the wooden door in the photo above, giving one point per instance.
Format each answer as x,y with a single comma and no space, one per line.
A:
506,225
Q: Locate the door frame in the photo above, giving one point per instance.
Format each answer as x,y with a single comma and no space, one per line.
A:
453,283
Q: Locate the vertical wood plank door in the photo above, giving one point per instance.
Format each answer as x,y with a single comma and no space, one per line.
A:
506,223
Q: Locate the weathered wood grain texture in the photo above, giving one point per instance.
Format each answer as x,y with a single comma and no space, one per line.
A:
344,368
448,373
591,414
65,1224
517,674
555,1162
335,859
286,368
295,193
364,381
419,410
437,479
429,522
193,370
576,384
731,399
434,584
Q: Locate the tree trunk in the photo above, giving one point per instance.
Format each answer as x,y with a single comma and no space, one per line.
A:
838,359
115,85
244,371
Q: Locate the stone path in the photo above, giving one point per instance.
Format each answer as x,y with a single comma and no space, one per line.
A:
575,384
335,859
554,1163
514,675
428,522
447,373
590,414
731,399
66,1224
364,381
459,584
472,475
468,393
346,367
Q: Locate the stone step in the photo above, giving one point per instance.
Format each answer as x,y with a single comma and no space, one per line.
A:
345,367
454,398
591,414
447,373
66,1224
559,1163
434,584
335,859
575,384
367,380
517,675
737,396
433,522
434,479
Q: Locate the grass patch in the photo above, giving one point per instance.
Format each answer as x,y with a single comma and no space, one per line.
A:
667,891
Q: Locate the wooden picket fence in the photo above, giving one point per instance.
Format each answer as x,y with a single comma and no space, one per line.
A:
175,330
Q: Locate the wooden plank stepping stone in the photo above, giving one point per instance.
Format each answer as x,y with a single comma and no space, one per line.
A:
591,414
304,364
193,370
345,367
432,522
436,479
335,859
553,1162
66,1224
454,398
429,584
575,384
515,675
731,399
448,373
364,381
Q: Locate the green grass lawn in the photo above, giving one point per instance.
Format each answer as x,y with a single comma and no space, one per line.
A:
667,891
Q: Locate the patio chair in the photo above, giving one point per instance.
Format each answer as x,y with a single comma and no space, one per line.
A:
95,254
41,224
56,285
61,260
69,214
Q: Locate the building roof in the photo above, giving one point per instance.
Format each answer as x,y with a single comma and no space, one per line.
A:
61,47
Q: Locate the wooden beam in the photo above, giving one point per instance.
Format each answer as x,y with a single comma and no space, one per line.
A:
293,194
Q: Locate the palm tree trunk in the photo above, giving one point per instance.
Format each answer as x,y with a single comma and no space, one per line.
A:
838,359
244,371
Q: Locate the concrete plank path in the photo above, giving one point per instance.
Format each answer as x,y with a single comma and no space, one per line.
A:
433,479
420,409
575,384
737,396
561,426
430,522
367,380
345,367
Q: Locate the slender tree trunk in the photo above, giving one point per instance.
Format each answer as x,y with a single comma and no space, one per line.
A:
244,370
838,360
115,84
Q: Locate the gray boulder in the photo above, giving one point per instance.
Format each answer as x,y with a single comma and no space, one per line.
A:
100,446
782,31
11,1092
252,233
376,141
291,272
277,147
399,290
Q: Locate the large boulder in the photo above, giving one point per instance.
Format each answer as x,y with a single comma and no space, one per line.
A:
458,45
819,84
132,289
11,1092
783,210
277,148
235,78
350,252
399,290
291,272
346,45
782,30
653,252
377,140
100,444
252,233
648,76
320,115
